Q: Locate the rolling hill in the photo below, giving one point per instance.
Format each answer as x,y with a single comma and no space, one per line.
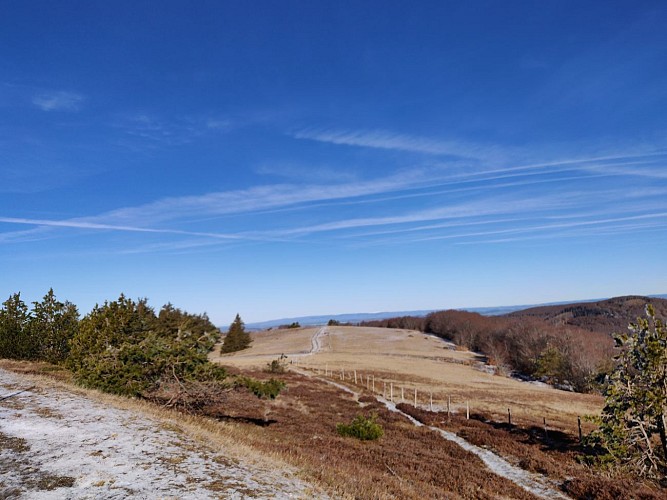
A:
607,316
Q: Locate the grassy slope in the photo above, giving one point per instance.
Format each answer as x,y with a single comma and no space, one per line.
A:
409,462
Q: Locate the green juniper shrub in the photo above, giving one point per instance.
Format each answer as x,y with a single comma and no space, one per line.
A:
363,428
262,389
277,365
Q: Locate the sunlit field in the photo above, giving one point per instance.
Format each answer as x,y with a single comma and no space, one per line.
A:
399,362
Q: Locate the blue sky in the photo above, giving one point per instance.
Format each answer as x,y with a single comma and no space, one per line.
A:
290,158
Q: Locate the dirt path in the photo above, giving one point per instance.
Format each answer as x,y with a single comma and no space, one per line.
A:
58,444
316,341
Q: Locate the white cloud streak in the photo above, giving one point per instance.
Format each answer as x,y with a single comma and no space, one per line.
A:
58,101
80,224
514,205
382,139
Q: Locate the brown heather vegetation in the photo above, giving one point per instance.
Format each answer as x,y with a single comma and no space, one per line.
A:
552,453
407,462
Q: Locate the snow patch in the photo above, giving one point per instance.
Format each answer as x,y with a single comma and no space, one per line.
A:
117,453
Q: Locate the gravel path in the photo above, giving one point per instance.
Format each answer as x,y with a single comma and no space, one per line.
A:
61,445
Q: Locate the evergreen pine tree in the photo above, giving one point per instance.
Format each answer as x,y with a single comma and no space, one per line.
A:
16,339
633,423
53,324
237,338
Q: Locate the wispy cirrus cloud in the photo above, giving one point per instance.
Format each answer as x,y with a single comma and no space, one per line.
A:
58,101
428,201
383,139
485,159
156,130
261,198
83,224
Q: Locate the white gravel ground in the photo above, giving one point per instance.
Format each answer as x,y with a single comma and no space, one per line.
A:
56,444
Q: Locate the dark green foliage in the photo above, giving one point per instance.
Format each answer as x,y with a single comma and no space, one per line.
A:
333,322
277,365
363,428
124,348
631,429
262,389
16,338
52,325
193,330
237,338
291,326
106,328
552,365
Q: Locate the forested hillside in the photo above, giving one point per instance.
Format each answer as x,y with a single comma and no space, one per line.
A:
607,316
569,345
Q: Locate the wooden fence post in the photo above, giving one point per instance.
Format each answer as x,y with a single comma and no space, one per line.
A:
581,436
355,377
467,411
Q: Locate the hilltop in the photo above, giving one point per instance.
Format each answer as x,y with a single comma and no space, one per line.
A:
607,316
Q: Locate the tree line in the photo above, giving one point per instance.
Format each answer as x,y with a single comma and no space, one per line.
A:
560,354
122,346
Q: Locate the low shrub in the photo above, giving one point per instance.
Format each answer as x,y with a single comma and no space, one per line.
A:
277,365
263,389
363,428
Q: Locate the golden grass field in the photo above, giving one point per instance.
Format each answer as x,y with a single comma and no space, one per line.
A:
409,360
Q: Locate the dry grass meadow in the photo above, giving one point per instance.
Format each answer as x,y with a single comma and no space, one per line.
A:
409,360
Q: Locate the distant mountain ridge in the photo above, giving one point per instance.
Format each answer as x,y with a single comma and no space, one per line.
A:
358,317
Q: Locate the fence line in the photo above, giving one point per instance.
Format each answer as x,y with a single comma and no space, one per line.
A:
357,378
